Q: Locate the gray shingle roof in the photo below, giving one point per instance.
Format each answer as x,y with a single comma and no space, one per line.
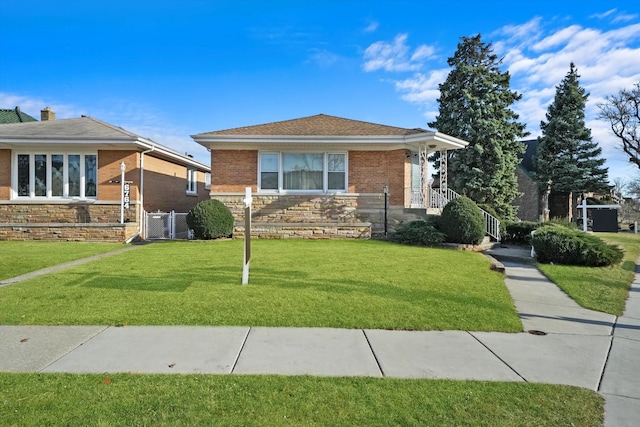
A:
80,128
318,125
87,129
14,116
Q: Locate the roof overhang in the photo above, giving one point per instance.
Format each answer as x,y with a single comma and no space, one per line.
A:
435,141
85,144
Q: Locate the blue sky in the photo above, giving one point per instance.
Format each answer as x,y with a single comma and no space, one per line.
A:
170,69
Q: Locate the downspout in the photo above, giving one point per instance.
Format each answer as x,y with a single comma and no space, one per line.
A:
142,187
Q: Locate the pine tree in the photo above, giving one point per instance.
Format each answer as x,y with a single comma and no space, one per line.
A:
474,105
566,156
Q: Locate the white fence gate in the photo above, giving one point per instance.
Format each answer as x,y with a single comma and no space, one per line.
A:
167,226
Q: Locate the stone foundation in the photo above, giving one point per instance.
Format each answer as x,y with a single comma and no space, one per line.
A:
69,232
97,221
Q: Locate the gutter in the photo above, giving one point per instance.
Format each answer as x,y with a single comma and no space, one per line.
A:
142,188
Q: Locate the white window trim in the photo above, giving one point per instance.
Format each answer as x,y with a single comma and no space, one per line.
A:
192,182
325,173
207,181
65,172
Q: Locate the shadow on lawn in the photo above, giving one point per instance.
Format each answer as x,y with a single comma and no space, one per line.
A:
415,295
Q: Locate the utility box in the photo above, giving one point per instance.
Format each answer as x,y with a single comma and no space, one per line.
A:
605,220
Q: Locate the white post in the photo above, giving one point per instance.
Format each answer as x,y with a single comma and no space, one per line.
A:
247,235
584,214
123,167
635,227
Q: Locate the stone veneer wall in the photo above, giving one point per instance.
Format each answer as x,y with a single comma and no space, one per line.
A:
69,232
66,221
309,216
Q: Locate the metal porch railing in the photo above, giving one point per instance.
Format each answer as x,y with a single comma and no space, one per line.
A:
438,201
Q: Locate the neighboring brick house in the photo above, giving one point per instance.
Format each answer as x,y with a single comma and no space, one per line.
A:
322,176
529,203
61,180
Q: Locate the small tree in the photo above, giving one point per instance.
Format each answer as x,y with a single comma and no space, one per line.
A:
567,159
474,105
622,111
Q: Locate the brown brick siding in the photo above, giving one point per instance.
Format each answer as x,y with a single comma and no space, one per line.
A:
234,170
109,170
528,203
5,174
165,186
369,171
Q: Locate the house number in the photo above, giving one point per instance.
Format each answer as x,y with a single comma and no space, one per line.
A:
125,195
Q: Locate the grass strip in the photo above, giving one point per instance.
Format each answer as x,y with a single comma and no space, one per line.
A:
603,289
18,258
294,283
139,400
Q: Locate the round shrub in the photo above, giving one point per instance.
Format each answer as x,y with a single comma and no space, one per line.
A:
419,232
462,221
210,219
559,245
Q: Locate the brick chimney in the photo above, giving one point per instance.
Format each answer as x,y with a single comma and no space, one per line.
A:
47,114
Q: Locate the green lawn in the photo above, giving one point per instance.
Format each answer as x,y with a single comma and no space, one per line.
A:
599,288
150,400
18,258
342,284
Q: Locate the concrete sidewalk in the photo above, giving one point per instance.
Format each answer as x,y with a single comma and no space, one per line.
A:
565,344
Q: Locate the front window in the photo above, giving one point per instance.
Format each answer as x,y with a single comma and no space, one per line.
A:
303,171
192,181
56,175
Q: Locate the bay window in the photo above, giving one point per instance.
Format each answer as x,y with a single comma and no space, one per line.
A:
56,175
289,171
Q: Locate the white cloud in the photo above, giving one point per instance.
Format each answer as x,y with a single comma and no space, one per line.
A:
395,55
132,116
32,106
373,25
322,57
537,57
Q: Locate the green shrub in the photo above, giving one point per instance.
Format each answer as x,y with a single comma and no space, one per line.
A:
462,221
520,232
210,219
559,245
419,232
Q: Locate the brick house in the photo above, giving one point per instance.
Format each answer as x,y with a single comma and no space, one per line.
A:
323,176
529,203
61,180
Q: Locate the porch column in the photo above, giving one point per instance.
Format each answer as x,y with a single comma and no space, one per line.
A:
443,172
423,152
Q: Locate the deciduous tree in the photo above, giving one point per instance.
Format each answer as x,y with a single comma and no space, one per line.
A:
622,111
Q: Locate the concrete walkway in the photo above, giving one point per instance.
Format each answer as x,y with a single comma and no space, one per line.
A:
564,344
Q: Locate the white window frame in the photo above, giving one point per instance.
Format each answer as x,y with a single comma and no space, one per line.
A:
325,172
49,171
192,182
207,181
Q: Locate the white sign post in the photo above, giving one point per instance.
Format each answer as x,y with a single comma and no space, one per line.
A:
247,235
123,167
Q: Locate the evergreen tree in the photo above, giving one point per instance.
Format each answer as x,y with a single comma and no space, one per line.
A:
566,156
474,105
